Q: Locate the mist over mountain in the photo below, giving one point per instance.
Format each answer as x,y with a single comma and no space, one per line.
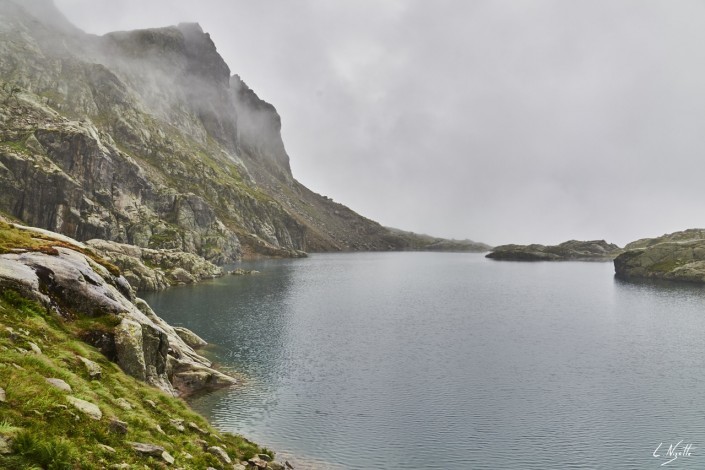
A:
146,137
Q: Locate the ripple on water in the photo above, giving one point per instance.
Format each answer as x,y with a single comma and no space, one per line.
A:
430,361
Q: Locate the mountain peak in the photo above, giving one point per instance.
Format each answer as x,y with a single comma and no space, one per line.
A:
45,12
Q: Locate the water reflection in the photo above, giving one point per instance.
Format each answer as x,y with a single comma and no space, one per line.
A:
489,365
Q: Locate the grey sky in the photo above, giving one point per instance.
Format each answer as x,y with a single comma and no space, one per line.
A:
501,121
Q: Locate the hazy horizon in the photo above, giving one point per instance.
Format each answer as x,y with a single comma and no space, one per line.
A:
499,121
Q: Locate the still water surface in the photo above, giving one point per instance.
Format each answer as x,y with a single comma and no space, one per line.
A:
453,361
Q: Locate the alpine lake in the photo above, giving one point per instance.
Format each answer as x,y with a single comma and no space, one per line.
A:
453,361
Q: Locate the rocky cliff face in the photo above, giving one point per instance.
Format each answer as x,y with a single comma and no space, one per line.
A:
144,137
597,250
678,256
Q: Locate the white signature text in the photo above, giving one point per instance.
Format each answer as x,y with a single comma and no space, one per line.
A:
673,452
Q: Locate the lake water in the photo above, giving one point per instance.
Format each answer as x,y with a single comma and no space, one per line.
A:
453,361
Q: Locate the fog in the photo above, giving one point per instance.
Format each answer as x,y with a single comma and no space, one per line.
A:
499,121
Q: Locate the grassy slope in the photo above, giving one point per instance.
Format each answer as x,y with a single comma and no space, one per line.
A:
47,432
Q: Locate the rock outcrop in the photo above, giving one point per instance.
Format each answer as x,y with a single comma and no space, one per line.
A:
596,250
73,284
678,256
152,269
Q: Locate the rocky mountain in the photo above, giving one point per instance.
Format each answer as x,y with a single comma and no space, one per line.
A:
146,138
595,250
678,256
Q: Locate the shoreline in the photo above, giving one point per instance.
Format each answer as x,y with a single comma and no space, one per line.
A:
93,352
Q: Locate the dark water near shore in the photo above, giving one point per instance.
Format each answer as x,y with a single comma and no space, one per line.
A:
452,361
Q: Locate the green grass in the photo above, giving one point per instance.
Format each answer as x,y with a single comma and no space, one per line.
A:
16,145
14,239
666,266
45,429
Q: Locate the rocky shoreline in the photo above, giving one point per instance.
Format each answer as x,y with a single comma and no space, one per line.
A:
74,294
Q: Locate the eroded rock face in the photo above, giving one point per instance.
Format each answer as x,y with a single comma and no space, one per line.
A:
678,256
150,269
144,137
146,347
190,338
595,250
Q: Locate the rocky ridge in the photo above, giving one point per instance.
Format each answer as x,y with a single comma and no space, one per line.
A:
145,138
595,250
678,256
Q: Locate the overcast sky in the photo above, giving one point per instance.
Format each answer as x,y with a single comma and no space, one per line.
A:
500,121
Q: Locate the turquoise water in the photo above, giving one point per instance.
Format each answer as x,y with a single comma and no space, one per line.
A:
453,361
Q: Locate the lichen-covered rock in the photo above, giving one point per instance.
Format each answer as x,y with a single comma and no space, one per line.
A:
678,256
220,454
118,427
124,404
70,283
150,269
148,449
595,250
5,445
93,369
130,348
256,462
190,338
189,378
60,384
89,409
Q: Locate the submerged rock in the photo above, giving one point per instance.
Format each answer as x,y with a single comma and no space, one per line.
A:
595,250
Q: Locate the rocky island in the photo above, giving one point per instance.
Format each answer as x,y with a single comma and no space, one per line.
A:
595,250
678,256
